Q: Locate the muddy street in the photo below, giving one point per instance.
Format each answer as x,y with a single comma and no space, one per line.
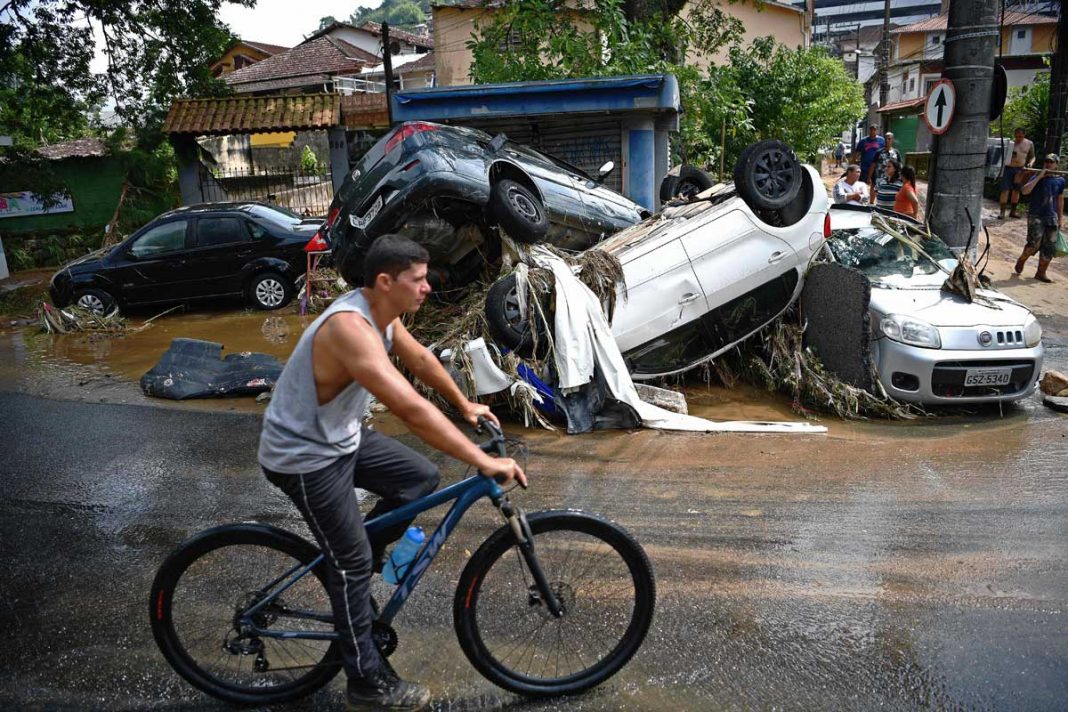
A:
891,565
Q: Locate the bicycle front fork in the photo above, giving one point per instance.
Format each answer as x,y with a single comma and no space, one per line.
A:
525,541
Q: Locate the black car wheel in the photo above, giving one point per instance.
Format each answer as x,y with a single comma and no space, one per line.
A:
507,324
95,300
269,290
689,181
518,211
767,175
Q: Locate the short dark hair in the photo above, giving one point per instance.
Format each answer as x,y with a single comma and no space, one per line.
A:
392,254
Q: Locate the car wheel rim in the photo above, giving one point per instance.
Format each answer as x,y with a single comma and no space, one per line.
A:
688,189
512,316
773,174
91,302
524,205
270,292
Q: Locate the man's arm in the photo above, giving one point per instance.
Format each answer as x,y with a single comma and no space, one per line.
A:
423,365
1030,160
1030,185
352,342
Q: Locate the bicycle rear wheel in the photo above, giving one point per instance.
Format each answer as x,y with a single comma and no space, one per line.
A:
202,589
599,573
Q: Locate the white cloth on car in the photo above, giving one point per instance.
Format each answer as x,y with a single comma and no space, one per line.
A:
583,338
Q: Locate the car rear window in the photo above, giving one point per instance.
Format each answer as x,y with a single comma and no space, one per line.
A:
275,215
221,231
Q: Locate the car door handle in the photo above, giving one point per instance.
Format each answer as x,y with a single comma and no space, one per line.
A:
689,297
776,257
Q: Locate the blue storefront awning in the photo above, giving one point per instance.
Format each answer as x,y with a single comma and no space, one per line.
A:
652,93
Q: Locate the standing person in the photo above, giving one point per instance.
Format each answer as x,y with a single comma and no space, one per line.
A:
885,155
866,151
314,448
907,201
888,185
1044,218
1021,156
839,153
851,190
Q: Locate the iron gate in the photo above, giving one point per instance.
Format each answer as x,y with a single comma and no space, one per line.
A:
305,192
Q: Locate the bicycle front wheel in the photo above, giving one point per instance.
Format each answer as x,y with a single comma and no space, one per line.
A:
600,575
197,604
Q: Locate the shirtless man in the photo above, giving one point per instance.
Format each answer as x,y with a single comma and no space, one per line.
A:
314,447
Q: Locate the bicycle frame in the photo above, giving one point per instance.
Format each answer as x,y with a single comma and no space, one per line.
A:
466,492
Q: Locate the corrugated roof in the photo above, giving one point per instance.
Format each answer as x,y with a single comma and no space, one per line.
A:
78,148
1012,19
364,111
250,114
325,55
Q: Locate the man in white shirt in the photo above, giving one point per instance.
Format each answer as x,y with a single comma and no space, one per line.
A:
851,190
1021,156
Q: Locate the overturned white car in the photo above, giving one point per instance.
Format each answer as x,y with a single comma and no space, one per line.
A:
930,345
703,275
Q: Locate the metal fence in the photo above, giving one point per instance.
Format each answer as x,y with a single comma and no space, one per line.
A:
306,192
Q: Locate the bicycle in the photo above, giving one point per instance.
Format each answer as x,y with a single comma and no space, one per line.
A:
259,630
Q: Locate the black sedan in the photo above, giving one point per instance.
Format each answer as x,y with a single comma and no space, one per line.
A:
455,189
251,250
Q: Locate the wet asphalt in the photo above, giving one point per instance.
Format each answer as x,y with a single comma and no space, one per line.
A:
884,566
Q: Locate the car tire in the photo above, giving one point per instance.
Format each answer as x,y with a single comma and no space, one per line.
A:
517,211
95,300
767,175
688,182
508,327
797,209
269,291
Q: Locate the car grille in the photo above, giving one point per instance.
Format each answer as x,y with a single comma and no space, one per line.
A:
1009,337
947,379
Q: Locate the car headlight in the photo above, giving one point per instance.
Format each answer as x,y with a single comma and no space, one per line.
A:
911,331
1032,332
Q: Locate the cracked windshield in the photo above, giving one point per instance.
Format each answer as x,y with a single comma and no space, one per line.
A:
880,254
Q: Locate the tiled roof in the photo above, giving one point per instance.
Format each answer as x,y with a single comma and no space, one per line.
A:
264,47
415,40
423,64
469,4
902,105
242,114
322,56
364,111
1012,19
78,148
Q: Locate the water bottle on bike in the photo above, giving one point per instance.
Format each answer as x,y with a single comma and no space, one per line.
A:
403,555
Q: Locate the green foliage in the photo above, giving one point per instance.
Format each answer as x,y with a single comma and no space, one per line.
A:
802,97
1026,107
402,14
543,39
325,22
308,162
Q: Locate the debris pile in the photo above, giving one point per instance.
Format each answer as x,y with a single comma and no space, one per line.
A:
75,319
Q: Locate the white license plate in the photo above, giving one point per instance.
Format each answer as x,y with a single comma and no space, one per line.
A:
988,376
368,216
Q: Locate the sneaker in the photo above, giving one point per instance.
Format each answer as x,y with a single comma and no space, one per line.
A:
385,691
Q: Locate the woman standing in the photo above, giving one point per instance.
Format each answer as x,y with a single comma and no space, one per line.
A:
907,202
888,185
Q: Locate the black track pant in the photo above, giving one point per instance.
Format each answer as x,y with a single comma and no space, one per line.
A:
327,500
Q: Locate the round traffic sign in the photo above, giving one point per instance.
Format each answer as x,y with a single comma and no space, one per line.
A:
938,111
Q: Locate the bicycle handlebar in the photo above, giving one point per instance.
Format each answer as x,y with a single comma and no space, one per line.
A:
496,441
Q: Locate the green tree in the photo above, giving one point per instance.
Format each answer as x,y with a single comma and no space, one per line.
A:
325,22
1026,107
402,14
800,96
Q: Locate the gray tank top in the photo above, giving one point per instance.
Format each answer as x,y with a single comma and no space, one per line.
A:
299,435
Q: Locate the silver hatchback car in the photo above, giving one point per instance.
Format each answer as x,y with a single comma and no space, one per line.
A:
932,346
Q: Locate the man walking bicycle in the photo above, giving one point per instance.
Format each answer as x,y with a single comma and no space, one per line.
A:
314,447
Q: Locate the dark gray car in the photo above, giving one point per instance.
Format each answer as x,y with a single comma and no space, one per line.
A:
451,188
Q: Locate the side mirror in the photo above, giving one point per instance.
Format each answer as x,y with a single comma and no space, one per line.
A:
604,170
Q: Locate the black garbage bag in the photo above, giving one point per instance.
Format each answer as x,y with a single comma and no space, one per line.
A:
192,368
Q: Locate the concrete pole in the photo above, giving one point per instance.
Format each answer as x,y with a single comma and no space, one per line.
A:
956,188
1058,88
884,64
387,65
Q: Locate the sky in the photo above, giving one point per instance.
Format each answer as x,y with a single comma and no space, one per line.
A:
285,22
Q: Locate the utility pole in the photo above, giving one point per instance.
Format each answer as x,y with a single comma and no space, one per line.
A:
1058,88
884,60
955,193
387,66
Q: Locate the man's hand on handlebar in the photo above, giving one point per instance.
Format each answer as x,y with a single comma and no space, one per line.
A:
473,411
504,470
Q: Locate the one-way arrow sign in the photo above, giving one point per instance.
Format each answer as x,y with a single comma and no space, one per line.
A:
938,111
